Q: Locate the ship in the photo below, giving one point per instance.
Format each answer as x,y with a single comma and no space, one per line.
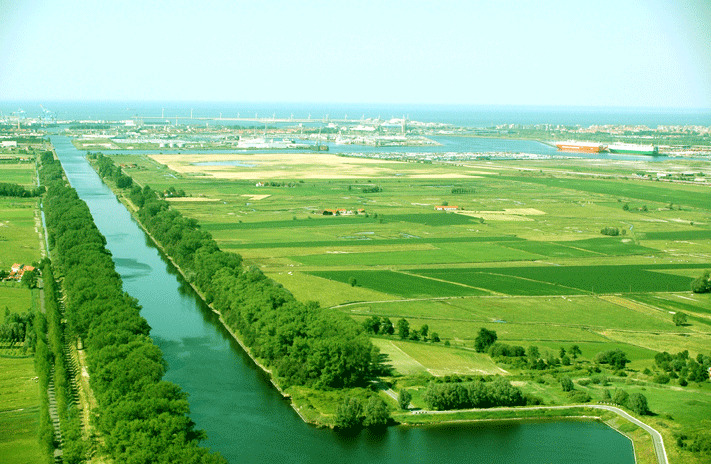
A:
633,149
585,147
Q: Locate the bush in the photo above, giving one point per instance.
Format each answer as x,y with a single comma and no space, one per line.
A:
566,384
661,378
579,396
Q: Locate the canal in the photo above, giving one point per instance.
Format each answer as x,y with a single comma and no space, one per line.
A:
247,420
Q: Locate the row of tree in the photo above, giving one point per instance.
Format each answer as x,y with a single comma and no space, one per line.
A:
18,328
612,231
16,190
141,417
43,367
302,343
476,394
683,367
352,414
109,170
74,448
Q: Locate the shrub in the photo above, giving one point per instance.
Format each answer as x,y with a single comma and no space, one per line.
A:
661,378
579,396
566,384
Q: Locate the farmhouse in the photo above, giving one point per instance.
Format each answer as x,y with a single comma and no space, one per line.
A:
342,212
18,270
446,208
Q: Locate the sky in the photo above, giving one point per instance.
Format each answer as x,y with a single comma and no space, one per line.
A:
602,53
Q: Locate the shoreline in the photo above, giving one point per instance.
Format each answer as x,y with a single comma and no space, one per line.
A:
132,209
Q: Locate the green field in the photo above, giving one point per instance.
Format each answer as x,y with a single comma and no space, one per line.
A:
19,411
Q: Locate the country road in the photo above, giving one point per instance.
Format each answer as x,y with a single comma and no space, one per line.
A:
657,439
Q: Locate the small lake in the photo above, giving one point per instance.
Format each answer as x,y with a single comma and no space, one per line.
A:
248,421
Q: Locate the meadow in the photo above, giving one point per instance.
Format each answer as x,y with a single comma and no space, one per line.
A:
523,256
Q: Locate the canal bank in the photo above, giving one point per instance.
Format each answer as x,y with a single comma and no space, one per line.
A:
248,421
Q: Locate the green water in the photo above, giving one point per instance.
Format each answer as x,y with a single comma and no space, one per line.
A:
245,417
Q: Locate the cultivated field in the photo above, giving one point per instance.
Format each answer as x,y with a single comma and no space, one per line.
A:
523,254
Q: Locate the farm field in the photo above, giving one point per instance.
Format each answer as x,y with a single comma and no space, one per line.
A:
19,241
523,255
19,410
524,228
18,218
19,389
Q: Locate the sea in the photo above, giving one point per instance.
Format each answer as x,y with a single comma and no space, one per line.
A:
475,116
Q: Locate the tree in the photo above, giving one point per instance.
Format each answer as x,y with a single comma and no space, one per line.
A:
349,413
434,337
566,384
403,328
424,330
616,358
533,355
626,207
638,403
702,284
29,278
620,397
562,351
372,325
352,281
376,412
386,327
679,318
484,340
403,398
575,352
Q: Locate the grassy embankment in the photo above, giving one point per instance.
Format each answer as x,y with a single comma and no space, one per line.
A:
526,259
19,391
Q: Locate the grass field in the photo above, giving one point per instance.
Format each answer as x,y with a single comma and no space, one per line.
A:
414,358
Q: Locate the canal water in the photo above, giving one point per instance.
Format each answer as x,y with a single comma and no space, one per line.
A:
246,419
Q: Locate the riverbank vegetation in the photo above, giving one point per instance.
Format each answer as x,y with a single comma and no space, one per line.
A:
140,417
523,257
303,344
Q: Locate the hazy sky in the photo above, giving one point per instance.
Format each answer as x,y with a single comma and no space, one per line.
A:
654,53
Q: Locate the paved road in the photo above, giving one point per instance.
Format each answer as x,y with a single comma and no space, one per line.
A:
657,439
